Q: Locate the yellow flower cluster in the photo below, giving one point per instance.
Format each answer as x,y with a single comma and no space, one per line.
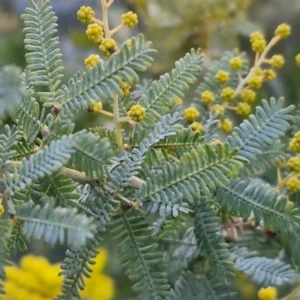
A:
219,109
268,75
191,114
125,87
277,61
255,82
235,63
91,61
248,95
269,293
95,107
207,97
258,42
244,94
130,19
196,126
293,185
226,125
85,14
37,279
294,164
243,109
283,30
94,32
227,94
108,47
222,76
137,113
294,144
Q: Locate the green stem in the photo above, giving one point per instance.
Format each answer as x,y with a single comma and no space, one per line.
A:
105,7
257,63
117,123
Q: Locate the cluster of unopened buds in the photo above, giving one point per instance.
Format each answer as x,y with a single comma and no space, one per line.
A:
240,98
99,32
291,182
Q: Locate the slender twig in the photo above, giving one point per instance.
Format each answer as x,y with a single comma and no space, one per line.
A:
257,63
116,29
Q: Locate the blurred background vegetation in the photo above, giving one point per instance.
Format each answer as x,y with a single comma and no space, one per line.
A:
174,26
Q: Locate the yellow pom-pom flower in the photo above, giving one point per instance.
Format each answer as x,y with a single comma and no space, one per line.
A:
254,36
294,144
277,61
207,97
125,87
137,113
219,109
243,109
293,185
248,95
1,210
108,47
227,94
130,19
258,71
268,75
95,107
91,61
85,14
269,293
191,114
236,63
196,126
258,42
259,45
37,279
226,125
222,77
294,164
94,32
255,82
283,30
297,59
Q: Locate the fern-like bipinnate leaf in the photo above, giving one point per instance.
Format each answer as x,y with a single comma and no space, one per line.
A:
96,203
4,252
29,117
186,287
108,133
246,197
269,124
60,188
7,141
57,225
198,173
214,287
104,82
162,94
270,157
141,257
44,60
77,266
262,270
128,164
91,154
44,162
211,241
10,89
184,141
